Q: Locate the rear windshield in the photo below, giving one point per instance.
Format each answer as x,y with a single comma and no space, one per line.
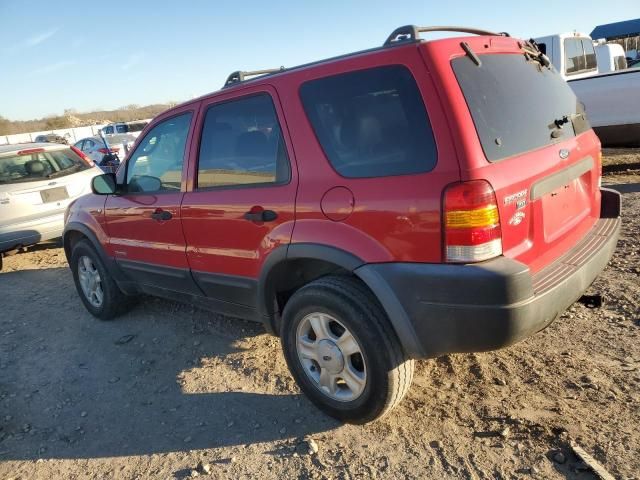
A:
136,126
515,103
38,166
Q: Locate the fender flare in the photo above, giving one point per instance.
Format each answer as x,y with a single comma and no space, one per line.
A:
280,256
120,278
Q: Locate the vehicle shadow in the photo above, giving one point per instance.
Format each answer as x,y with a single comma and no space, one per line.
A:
165,377
625,187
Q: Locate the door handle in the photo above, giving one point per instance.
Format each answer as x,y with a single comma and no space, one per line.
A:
160,215
261,216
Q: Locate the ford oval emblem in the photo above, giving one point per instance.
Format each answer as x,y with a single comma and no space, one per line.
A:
564,153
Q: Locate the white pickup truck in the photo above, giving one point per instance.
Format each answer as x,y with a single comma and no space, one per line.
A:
130,128
610,98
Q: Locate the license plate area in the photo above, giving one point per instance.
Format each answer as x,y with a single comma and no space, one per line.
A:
54,194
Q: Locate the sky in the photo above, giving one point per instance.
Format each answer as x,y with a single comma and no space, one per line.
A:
88,55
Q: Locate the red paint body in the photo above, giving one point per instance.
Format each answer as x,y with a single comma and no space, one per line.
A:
392,219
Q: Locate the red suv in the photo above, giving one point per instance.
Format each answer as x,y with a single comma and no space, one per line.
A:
408,201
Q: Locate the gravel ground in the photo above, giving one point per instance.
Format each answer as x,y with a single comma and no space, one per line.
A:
167,386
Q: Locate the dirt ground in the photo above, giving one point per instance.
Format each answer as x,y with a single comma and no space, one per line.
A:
152,394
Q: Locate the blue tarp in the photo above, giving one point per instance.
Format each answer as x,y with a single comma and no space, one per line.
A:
628,28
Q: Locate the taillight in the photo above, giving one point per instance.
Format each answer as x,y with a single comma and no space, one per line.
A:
81,154
30,151
471,222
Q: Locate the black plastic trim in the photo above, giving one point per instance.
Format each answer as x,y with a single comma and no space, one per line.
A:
229,288
610,203
499,307
556,180
274,269
123,282
161,276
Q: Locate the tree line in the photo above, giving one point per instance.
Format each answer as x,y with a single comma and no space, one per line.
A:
72,118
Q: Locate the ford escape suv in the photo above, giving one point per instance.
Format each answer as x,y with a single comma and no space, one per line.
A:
404,202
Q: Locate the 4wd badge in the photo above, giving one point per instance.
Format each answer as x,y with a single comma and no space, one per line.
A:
517,218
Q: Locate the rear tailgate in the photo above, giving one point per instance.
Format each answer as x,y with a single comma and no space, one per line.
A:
521,128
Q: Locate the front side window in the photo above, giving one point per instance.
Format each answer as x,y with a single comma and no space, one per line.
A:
156,165
121,129
371,123
242,144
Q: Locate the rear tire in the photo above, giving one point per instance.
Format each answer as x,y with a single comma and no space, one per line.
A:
324,323
97,289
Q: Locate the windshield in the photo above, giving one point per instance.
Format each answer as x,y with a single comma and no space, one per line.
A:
37,165
517,105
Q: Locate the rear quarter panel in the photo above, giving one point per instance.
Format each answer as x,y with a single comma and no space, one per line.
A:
394,218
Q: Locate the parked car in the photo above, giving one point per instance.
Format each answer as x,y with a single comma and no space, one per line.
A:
95,149
610,99
442,196
37,182
131,128
51,138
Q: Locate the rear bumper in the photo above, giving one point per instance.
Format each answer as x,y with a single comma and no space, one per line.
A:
29,233
438,308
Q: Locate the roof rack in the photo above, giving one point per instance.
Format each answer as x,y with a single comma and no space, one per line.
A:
409,33
241,76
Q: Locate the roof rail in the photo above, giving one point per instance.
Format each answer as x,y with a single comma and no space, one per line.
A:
241,76
409,33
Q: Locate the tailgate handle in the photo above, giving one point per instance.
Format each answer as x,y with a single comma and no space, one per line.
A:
160,215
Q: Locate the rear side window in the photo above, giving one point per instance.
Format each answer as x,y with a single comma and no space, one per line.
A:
38,166
579,55
589,54
514,103
620,62
371,123
242,144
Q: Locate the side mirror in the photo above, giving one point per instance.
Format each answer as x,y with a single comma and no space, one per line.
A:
104,184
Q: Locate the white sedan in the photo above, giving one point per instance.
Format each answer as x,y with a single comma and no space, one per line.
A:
95,149
37,183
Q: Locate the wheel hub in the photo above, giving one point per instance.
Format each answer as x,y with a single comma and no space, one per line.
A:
330,356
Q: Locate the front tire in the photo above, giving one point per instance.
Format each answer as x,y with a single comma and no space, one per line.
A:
342,351
97,289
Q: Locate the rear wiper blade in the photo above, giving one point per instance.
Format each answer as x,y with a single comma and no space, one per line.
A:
532,52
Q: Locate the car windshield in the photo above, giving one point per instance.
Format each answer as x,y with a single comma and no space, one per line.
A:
31,165
517,105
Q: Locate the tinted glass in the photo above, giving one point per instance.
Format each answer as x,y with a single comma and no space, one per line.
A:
589,54
514,103
39,166
160,156
121,129
620,62
242,144
371,123
573,55
108,130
